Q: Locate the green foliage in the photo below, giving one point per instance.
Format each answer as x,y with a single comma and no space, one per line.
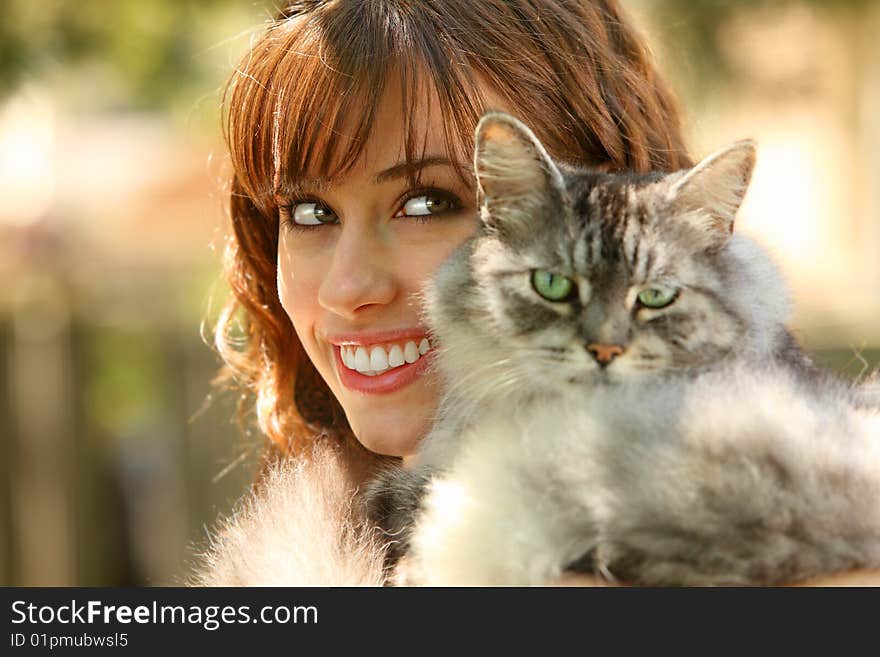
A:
124,379
152,51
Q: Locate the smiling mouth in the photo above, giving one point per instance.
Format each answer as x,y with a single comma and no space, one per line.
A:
375,360
381,372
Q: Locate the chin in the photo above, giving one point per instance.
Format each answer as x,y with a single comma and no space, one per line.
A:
388,444
394,436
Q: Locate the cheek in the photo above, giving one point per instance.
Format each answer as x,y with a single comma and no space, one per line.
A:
421,257
697,331
648,352
298,282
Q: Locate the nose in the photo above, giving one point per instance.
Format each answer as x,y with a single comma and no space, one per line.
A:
604,353
359,277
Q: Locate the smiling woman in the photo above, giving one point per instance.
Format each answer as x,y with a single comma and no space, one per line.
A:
353,253
350,128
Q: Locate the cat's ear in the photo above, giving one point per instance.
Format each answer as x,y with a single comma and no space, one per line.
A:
518,183
709,195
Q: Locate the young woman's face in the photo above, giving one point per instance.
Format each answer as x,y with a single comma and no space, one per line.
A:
353,254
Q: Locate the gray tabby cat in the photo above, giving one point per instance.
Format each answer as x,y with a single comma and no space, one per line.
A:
622,394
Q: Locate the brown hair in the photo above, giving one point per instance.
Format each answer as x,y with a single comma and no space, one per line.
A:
574,70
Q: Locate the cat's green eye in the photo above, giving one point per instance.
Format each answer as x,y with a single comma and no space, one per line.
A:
655,298
552,287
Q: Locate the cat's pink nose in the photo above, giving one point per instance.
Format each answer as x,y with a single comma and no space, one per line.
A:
604,353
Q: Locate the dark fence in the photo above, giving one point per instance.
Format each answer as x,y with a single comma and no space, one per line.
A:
115,454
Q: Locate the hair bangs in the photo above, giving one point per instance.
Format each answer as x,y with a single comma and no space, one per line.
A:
309,97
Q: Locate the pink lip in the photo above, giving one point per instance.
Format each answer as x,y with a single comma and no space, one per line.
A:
391,381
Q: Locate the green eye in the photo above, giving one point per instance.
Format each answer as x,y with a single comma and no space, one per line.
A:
654,298
552,287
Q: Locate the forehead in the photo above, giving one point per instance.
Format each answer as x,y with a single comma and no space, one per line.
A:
616,226
403,128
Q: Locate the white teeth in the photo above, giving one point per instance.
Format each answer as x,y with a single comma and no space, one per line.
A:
395,357
410,352
378,359
361,360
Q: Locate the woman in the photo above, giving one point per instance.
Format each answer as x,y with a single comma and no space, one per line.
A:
350,131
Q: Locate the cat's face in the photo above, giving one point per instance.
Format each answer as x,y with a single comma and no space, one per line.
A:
579,277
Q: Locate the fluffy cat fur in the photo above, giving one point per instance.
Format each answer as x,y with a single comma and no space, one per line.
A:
708,451
300,528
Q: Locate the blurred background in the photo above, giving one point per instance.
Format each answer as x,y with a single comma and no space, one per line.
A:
115,453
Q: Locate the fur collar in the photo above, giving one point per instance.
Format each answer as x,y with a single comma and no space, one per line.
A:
300,528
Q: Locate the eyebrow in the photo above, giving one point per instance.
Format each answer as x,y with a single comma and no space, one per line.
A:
399,170
404,168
